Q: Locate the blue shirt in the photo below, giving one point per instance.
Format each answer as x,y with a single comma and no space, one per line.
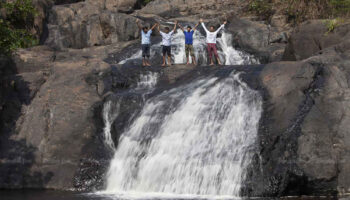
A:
189,37
146,37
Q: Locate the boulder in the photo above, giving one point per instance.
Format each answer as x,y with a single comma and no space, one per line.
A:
313,36
256,38
85,24
177,8
32,60
50,118
304,131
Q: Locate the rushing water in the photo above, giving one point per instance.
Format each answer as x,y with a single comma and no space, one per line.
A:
190,140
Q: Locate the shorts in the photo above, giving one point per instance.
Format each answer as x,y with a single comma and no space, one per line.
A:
146,50
189,50
166,50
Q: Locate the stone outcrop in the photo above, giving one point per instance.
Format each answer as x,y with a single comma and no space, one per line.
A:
177,8
304,133
87,24
50,128
312,37
257,39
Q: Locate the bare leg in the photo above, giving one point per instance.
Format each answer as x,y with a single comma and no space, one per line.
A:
169,60
148,62
211,60
194,60
144,62
219,62
163,61
188,60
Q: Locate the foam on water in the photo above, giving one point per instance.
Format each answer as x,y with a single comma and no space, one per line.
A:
190,140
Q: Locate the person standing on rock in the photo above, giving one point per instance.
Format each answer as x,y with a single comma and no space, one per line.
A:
189,43
211,41
145,42
166,43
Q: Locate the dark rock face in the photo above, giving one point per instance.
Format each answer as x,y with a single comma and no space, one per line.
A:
50,121
87,24
177,8
256,38
304,131
312,37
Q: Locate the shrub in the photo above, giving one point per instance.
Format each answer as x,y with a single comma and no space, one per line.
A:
340,7
298,11
15,25
262,8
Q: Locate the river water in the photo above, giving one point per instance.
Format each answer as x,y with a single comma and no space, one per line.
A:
58,195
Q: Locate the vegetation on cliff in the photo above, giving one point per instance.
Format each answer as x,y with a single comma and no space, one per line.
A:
15,21
300,10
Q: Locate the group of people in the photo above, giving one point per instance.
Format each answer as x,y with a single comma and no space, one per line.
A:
167,34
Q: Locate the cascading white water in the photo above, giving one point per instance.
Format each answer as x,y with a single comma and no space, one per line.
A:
110,111
226,52
193,139
147,81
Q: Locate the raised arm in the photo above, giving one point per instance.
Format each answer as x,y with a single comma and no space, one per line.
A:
205,28
138,24
175,26
182,28
154,26
221,27
195,27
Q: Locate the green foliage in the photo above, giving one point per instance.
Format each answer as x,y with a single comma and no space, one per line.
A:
144,2
262,8
332,24
15,25
340,7
298,11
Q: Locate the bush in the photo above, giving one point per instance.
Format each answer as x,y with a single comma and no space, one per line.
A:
340,7
262,8
15,25
298,11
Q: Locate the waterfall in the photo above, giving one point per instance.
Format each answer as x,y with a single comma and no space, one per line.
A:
194,139
110,111
227,53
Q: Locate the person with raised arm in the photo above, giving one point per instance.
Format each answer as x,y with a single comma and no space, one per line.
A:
189,43
145,42
211,41
166,43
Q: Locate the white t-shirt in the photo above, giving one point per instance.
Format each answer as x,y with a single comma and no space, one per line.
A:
146,37
211,36
166,38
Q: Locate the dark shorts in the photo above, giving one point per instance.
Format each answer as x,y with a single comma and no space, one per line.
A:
166,50
146,50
